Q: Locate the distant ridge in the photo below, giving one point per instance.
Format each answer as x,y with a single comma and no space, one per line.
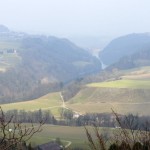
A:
124,46
138,59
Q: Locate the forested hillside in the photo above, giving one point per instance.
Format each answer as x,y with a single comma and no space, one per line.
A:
124,46
138,59
40,65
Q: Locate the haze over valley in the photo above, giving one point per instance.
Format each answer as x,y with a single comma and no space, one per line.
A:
67,67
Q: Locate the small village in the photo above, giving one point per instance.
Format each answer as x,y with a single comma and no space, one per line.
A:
8,51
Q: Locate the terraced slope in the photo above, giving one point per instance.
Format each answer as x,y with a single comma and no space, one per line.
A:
129,94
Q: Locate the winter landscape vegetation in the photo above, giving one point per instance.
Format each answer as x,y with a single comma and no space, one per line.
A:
75,92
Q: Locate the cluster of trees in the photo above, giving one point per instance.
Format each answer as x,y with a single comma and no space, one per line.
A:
67,115
100,119
138,59
21,83
71,89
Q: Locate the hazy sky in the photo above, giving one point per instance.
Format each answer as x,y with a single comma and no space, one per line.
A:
76,17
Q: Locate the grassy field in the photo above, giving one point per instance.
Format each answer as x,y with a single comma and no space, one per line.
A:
76,135
9,60
50,101
96,101
134,84
124,96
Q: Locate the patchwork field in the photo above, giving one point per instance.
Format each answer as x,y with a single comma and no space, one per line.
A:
50,101
107,94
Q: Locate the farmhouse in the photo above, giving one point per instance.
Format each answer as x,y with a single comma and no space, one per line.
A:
76,115
50,146
11,51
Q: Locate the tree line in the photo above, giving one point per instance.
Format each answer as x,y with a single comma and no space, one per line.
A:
36,116
68,118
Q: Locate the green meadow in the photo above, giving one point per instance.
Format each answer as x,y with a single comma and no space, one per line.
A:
76,135
51,101
135,84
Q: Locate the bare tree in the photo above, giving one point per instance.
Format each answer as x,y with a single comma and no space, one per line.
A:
128,136
131,132
97,143
14,134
